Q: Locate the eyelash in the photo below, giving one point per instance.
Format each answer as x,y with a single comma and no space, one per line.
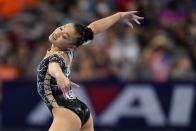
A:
64,37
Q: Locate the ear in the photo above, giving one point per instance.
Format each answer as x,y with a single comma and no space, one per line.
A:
73,46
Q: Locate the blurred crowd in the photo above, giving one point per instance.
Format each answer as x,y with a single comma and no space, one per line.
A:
162,48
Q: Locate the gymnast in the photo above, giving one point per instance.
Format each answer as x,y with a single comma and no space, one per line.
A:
53,73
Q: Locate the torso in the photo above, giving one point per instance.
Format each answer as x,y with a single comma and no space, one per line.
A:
47,85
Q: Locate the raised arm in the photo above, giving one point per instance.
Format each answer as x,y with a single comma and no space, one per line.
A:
105,23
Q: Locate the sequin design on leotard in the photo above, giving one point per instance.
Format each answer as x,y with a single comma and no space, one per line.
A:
47,85
51,94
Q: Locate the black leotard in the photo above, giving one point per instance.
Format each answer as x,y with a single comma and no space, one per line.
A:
50,93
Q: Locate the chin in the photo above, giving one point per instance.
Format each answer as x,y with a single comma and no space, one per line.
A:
60,45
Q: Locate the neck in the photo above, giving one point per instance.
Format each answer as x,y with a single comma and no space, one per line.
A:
54,48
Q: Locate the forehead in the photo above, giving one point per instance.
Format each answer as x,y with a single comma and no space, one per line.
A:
69,25
71,30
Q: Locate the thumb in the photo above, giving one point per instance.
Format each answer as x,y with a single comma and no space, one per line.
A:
128,23
133,12
74,84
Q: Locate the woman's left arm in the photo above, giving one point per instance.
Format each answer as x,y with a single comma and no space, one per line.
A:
105,23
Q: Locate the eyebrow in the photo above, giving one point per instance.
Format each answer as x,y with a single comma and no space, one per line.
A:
60,28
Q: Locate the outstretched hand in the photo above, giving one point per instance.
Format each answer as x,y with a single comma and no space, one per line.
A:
65,84
130,16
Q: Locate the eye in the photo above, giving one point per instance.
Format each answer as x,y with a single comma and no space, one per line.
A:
66,36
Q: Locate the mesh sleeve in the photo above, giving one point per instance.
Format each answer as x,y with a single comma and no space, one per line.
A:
57,59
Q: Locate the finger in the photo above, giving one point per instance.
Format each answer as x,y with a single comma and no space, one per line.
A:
132,12
138,17
137,21
67,90
74,84
128,23
63,90
64,93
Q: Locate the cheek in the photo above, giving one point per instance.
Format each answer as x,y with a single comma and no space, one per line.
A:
50,39
58,43
61,43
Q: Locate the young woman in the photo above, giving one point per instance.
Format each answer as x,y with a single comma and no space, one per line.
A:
53,83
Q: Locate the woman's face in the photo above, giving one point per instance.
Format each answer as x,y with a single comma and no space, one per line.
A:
64,36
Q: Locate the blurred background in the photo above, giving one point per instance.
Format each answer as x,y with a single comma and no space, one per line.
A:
140,79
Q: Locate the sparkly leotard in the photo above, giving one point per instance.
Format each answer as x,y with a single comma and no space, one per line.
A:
50,92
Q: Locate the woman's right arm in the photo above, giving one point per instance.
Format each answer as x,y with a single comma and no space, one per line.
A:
63,82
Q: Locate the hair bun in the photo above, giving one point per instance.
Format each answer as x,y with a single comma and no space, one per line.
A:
88,34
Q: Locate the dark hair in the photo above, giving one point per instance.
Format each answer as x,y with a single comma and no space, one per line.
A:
84,32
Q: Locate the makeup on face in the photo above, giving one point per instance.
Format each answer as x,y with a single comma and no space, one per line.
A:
60,32
64,36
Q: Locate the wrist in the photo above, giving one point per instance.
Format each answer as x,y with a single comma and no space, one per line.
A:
119,15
